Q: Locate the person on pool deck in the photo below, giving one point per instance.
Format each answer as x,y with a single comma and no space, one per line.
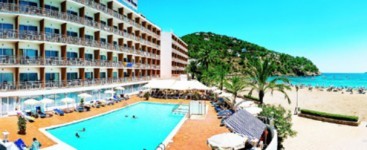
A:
35,145
77,135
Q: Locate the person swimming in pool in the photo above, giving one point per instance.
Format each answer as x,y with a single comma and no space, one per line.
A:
77,135
134,117
83,130
126,116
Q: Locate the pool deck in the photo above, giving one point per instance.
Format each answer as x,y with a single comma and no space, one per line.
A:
192,135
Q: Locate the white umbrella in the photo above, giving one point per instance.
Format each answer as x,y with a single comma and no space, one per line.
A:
85,95
46,101
254,110
68,101
227,141
31,102
120,88
213,88
109,92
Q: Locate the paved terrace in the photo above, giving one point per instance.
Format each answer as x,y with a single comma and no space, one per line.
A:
192,135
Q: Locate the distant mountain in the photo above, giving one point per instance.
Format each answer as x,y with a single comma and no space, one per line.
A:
240,50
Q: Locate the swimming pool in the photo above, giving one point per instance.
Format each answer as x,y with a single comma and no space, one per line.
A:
118,130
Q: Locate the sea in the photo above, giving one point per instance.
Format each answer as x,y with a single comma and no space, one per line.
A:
350,80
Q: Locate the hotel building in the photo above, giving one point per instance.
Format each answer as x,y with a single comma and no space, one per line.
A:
61,48
174,55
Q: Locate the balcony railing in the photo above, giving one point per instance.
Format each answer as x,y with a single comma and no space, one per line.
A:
33,10
38,36
38,85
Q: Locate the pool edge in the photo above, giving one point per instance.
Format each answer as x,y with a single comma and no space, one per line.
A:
60,144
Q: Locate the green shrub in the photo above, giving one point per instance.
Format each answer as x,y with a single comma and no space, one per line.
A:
282,121
330,115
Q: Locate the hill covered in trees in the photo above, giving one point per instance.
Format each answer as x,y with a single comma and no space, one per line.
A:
238,52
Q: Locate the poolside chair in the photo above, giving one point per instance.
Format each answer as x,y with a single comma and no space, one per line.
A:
40,112
80,109
59,112
20,144
225,113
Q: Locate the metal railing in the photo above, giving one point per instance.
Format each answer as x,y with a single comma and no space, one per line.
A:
33,10
37,85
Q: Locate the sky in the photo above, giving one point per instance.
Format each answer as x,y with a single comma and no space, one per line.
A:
332,33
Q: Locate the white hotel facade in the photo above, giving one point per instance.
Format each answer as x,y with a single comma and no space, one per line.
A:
61,48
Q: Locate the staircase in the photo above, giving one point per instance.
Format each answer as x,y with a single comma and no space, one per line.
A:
180,109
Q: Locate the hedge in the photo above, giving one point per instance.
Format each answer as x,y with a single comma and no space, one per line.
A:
330,115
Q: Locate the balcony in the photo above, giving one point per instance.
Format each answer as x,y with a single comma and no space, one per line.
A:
38,85
115,14
32,10
56,38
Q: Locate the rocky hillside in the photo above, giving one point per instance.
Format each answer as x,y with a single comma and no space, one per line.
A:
240,51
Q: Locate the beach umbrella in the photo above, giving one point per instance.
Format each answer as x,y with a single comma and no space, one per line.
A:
254,110
109,92
46,101
227,141
120,88
85,95
68,101
31,102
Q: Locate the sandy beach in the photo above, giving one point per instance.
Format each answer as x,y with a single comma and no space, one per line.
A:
314,134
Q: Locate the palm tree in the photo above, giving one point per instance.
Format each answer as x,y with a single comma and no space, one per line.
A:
192,68
206,57
220,72
259,72
235,85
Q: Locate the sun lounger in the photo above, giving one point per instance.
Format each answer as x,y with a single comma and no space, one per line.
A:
59,112
20,144
40,112
225,113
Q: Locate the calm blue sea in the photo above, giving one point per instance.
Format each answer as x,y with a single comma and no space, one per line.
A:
354,80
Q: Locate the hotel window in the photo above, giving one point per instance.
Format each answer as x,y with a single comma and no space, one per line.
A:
72,76
6,52
89,75
29,53
6,78
28,28
24,77
24,4
103,40
103,23
52,76
88,18
52,54
88,57
51,31
70,12
72,55
89,37
103,57
102,75
115,59
115,75
49,7
72,34
6,26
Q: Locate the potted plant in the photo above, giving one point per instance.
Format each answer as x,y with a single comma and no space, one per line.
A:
22,125
146,96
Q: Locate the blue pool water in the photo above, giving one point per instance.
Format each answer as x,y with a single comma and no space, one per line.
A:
355,80
115,131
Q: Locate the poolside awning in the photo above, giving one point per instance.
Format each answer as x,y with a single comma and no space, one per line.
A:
159,84
242,122
176,85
